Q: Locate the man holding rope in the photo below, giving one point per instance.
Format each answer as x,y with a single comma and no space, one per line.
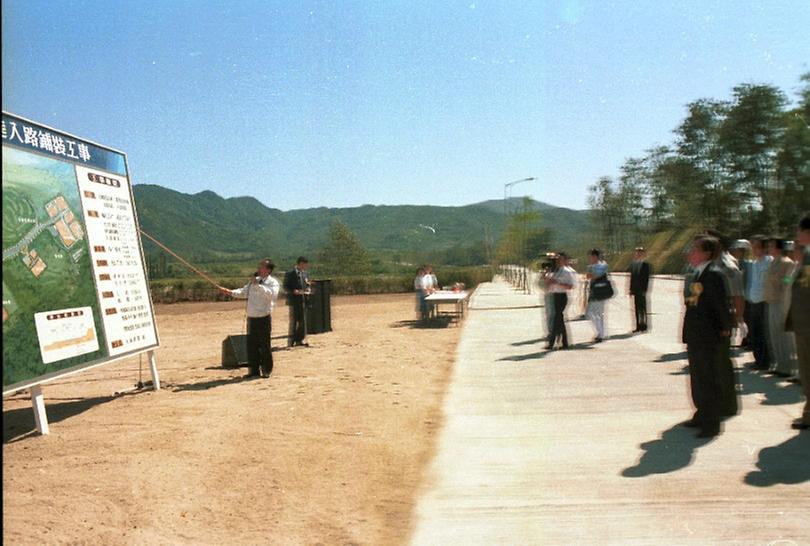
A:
261,293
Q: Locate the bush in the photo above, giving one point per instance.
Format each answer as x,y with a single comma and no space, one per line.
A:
184,290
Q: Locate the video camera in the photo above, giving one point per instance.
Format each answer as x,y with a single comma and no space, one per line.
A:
549,262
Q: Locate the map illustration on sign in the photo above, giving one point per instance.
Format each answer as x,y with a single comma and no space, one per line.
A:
45,258
75,292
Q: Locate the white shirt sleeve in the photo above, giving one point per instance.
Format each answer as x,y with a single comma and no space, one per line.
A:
240,292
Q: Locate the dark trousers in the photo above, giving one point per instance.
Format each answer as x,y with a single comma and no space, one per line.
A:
640,304
727,379
558,326
757,333
259,353
803,352
747,320
704,383
298,320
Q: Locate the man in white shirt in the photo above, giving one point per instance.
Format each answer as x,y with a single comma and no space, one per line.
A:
261,293
560,283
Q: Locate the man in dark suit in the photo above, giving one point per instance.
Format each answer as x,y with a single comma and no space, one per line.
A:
640,271
706,327
296,285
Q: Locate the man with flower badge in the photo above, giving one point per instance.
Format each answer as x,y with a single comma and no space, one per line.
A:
706,327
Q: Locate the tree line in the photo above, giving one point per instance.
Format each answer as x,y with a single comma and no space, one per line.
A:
740,166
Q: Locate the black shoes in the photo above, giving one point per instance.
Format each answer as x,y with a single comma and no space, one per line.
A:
709,432
692,423
598,340
799,425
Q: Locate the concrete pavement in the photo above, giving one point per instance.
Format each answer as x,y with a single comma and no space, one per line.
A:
583,447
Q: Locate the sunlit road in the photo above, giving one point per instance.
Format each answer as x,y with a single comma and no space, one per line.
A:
583,446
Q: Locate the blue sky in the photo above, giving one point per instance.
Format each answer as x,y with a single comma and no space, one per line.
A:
305,104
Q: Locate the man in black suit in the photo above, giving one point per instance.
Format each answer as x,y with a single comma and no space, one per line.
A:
640,271
706,327
296,285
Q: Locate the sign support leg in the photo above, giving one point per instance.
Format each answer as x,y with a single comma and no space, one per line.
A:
38,404
153,368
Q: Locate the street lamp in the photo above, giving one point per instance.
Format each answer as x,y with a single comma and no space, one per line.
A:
509,185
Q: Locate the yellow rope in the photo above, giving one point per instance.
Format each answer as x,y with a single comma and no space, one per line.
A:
181,260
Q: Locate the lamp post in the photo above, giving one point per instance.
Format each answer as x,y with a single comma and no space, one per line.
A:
508,186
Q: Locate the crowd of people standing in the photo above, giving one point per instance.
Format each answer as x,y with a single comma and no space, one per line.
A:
764,298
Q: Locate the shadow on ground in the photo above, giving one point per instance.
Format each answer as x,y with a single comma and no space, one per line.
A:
441,322
787,463
18,423
673,451
529,342
543,354
776,391
205,385
671,357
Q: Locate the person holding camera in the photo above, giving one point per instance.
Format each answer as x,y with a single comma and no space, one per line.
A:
559,283
261,293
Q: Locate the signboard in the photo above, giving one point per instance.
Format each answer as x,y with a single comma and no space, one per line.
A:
75,292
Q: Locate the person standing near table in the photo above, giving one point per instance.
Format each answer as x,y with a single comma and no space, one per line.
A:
261,293
563,280
706,327
798,318
419,289
430,282
296,285
640,273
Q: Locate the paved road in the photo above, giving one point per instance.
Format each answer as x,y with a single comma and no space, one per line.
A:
33,233
583,447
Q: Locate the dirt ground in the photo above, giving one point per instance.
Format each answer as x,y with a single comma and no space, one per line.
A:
331,449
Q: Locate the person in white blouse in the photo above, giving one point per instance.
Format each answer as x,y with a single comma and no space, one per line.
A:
429,282
261,293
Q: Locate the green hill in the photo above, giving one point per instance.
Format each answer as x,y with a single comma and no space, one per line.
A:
207,227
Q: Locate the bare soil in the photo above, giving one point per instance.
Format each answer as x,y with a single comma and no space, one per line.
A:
332,449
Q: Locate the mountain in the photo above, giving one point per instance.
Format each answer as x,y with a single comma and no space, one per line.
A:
206,226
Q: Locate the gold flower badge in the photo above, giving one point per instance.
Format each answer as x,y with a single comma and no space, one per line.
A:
804,281
696,289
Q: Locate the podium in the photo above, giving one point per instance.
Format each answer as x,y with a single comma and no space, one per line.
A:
319,308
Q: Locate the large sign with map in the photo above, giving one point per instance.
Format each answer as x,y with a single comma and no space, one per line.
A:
75,292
